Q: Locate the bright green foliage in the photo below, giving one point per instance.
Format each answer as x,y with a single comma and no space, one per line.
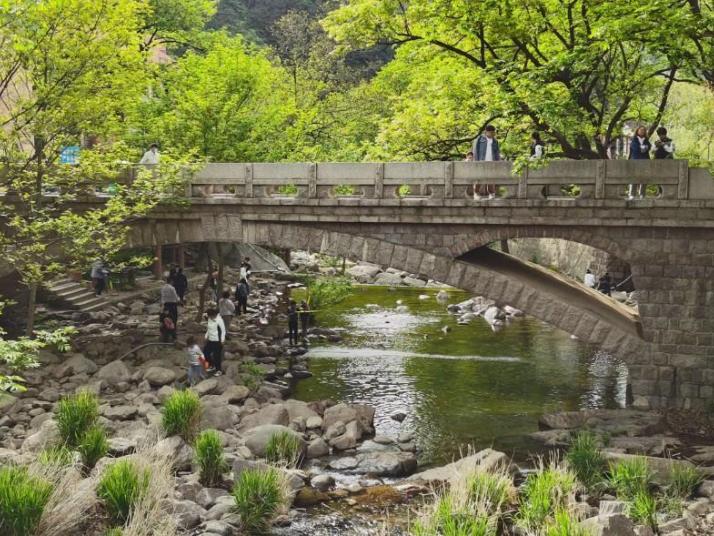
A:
345,190
544,493
288,190
643,509
683,481
75,415
323,291
564,524
491,491
585,458
575,72
93,447
630,477
58,456
22,501
122,485
114,531
258,494
182,414
284,448
450,520
209,455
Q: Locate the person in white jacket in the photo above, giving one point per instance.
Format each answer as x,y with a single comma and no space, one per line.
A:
590,280
215,337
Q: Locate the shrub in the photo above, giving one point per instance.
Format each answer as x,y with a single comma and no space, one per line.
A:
564,524
75,415
284,448
643,509
683,481
94,446
114,531
58,456
544,493
22,501
449,519
122,485
586,460
323,292
258,495
209,455
630,477
491,491
181,414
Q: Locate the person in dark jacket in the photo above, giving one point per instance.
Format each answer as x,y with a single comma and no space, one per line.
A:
304,319
664,146
605,285
181,284
486,149
293,322
640,148
167,327
242,292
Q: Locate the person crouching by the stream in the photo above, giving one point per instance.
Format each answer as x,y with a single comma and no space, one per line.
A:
169,300
227,309
304,320
242,292
293,322
215,337
167,327
195,367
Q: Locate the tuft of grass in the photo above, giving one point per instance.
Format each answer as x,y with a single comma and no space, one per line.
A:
76,414
683,481
585,458
259,495
491,491
630,477
643,509
59,456
121,487
93,447
114,531
182,414
449,518
544,493
209,455
283,448
564,524
22,501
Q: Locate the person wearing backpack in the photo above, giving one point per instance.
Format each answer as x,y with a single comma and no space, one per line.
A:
215,337
167,327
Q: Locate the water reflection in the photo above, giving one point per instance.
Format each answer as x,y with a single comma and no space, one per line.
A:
467,385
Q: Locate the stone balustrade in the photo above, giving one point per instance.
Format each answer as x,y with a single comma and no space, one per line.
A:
562,179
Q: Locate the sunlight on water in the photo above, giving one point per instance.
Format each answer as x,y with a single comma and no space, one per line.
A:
459,385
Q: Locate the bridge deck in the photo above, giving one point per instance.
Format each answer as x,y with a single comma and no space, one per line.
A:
561,287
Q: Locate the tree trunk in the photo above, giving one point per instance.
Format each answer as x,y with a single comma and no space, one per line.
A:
31,301
203,254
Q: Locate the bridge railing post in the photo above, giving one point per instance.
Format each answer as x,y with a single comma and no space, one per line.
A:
312,181
448,180
249,180
379,181
523,184
682,179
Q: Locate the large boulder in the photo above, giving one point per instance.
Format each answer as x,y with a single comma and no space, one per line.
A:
258,437
609,525
270,414
388,279
349,438
47,435
486,460
661,467
235,393
364,272
298,408
77,364
158,376
349,412
218,417
383,463
176,450
114,373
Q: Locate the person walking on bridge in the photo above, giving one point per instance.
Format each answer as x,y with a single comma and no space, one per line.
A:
486,149
640,148
151,157
664,146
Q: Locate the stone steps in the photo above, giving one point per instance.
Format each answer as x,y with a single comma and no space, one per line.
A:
75,295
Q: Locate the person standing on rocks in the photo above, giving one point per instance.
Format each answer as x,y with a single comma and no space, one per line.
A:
293,323
195,367
167,327
215,337
605,285
245,269
304,319
99,277
227,309
169,300
181,285
242,292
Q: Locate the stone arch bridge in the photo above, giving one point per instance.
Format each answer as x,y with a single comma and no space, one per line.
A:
423,218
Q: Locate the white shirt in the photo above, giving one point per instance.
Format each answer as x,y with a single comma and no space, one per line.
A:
243,273
489,150
150,157
643,147
590,280
212,329
226,307
537,152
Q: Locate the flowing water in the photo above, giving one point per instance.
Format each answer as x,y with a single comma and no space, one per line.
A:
460,385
